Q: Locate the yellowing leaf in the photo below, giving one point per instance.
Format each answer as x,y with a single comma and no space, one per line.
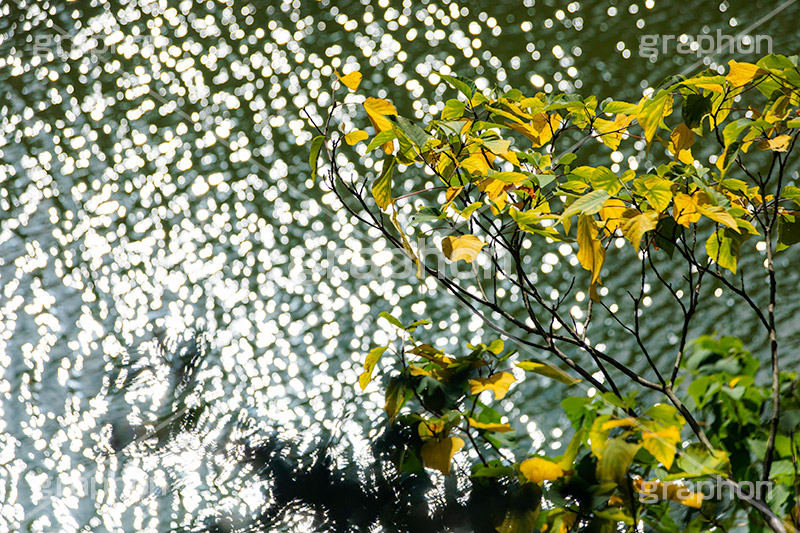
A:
611,131
591,253
657,191
549,371
719,214
465,247
355,136
369,365
538,469
497,383
351,81
652,112
636,224
611,213
723,247
654,491
437,453
614,460
500,428
313,155
777,144
382,188
680,140
395,397
662,444
377,109
510,177
743,73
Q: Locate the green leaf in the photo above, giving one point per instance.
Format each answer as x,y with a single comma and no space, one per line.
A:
790,191
695,107
788,231
382,188
698,388
417,135
462,85
733,130
392,320
427,214
481,471
567,158
575,407
588,204
313,155
620,108
666,235
723,247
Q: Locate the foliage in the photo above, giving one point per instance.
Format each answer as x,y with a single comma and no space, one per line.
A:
506,185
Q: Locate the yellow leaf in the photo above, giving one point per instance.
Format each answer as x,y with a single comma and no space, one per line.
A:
452,194
369,365
743,73
540,130
500,428
662,444
591,253
684,208
437,453
680,140
621,423
778,144
636,224
567,520
673,490
538,469
611,131
417,371
465,247
496,191
611,213
355,136
476,164
351,80
377,109
497,383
